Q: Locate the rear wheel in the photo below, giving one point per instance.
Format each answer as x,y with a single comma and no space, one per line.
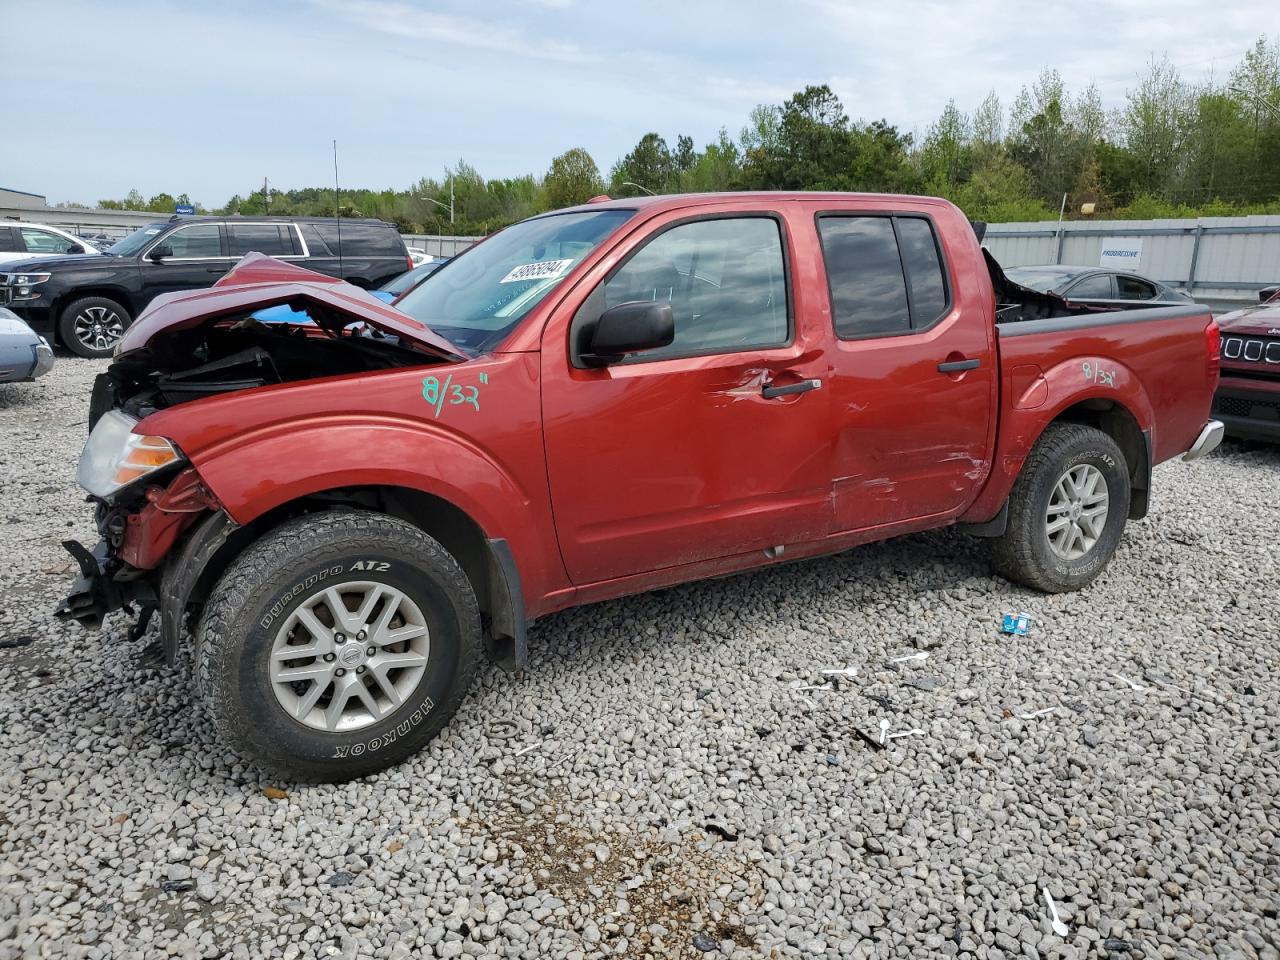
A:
337,645
92,326
1067,510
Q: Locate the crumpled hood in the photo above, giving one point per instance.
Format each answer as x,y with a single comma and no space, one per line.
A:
259,281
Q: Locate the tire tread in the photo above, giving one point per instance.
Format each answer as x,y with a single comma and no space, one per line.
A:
251,572
1012,553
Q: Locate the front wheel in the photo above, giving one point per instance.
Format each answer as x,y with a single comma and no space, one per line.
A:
337,645
1067,510
92,326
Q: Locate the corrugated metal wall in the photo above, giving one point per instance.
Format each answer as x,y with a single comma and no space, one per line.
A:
1223,258
438,246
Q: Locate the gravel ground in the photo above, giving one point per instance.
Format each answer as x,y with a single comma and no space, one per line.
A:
656,785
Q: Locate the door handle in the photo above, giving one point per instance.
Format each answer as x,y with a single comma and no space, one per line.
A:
216,269
957,366
802,386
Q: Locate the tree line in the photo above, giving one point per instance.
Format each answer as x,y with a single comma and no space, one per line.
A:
1174,149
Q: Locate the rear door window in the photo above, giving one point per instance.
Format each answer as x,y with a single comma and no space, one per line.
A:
9,241
885,274
316,245
273,239
197,241
926,280
1097,287
1131,288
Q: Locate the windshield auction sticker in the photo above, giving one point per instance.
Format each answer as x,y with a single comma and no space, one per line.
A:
543,270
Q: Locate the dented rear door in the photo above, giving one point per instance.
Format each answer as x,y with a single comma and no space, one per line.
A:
914,391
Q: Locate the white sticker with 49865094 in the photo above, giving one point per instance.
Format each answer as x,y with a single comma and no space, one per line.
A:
542,270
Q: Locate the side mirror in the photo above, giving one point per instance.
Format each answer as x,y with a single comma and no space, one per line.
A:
75,248
159,252
629,328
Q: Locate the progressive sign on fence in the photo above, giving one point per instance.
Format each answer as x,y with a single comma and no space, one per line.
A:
1122,252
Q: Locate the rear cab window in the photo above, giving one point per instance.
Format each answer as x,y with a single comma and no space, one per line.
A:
885,273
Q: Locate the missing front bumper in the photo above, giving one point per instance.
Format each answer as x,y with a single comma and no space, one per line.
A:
94,593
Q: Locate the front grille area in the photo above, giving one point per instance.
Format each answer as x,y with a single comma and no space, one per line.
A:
1264,350
1244,407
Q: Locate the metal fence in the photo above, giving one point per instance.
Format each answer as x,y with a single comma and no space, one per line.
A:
1220,258
438,246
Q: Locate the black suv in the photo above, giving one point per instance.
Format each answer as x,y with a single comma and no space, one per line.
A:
89,300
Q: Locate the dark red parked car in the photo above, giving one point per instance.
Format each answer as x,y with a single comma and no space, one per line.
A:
596,402
1248,398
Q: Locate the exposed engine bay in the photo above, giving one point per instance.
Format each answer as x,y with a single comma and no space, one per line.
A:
240,353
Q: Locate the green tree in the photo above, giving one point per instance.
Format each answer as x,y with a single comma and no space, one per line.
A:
572,179
1154,126
649,164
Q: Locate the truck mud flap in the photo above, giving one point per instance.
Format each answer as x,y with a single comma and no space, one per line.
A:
506,639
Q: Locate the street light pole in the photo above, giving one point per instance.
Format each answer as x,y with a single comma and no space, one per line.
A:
442,206
628,183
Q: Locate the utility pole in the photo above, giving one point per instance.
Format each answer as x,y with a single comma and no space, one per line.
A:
441,205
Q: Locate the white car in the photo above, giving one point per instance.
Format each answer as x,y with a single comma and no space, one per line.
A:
419,257
22,241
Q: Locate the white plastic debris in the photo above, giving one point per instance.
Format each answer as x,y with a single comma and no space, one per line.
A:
914,732
1132,685
1059,927
1037,713
918,655
884,729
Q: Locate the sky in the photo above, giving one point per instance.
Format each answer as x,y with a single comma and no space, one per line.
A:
210,98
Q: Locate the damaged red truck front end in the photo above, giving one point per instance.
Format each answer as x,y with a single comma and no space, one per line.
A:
189,346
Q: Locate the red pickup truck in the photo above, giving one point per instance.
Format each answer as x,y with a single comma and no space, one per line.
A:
629,394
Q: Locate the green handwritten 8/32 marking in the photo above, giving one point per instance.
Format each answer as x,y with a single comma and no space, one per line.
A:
436,393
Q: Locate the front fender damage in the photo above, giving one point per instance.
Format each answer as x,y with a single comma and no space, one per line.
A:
183,572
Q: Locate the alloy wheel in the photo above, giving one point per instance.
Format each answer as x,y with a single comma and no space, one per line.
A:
98,328
1077,512
349,656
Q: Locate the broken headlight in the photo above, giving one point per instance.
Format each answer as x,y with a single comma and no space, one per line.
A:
115,456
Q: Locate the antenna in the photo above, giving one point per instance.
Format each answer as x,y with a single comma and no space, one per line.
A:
337,211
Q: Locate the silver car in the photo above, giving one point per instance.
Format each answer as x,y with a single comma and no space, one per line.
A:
24,354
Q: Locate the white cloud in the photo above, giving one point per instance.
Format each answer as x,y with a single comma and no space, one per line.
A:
222,95
406,20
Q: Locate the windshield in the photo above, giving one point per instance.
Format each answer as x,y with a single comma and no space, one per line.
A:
478,297
1045,280
410,278
136,240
